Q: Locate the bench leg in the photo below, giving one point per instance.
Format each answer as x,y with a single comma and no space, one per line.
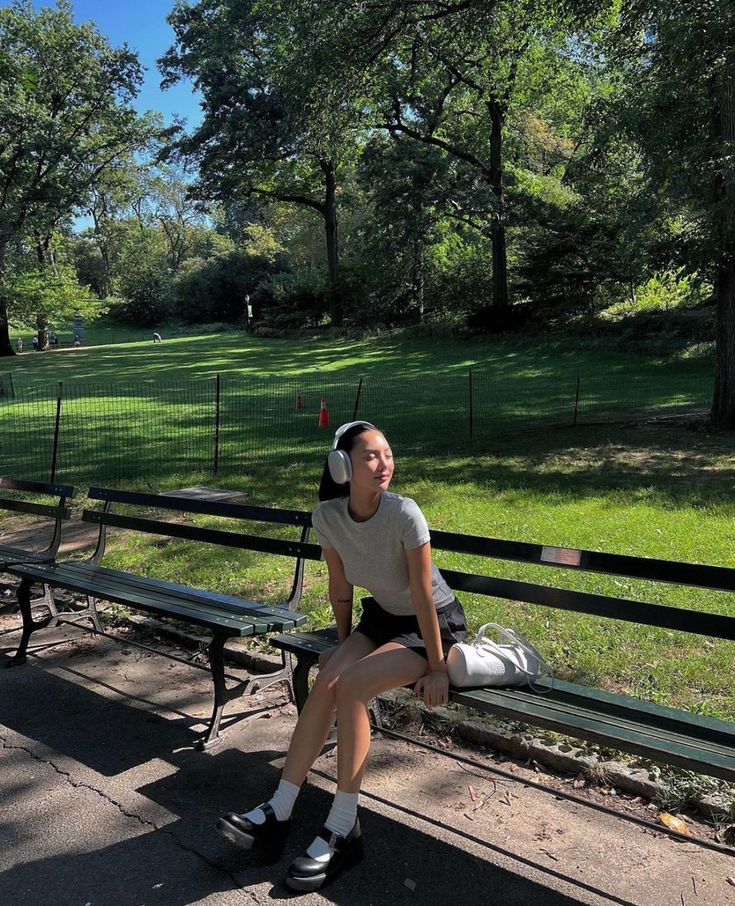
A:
300,679
29,624
217,666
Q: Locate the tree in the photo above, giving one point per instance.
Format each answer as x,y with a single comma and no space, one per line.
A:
679,105
449,75
42,297
65,99
267,129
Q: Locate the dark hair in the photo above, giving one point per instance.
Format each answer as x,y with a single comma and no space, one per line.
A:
328,487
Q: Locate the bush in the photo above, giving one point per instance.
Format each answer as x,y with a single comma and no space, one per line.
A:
288,301
215,290
146,296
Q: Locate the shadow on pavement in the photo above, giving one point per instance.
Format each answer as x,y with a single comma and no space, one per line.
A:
111,855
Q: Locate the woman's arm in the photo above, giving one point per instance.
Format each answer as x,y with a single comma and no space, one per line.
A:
435,685
341,593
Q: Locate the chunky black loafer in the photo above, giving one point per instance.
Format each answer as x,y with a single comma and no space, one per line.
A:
307,874
266,840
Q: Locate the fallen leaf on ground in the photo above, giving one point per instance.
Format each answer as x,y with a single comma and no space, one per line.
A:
410,884
675,824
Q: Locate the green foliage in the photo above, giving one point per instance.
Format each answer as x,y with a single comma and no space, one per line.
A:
66,113
215,289
48,296
144,286
293,300
664,292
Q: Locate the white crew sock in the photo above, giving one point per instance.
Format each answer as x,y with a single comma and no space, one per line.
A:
282,803
341,820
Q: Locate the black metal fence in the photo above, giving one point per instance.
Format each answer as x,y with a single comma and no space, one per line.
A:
87,433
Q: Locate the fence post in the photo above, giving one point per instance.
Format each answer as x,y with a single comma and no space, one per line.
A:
57,428
357,400
217,412
472,407
576,402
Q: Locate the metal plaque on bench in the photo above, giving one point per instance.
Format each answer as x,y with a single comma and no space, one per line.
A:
564,556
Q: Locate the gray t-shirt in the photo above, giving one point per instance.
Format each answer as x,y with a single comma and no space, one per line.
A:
373,552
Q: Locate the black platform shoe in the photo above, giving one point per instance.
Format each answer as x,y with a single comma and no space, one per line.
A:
265,840
307,874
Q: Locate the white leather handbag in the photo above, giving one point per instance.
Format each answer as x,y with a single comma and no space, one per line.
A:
485,662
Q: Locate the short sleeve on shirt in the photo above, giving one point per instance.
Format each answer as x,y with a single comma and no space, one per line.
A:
322,535
415,530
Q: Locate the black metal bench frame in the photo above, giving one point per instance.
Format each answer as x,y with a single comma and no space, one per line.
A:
59,512
659,733
224,616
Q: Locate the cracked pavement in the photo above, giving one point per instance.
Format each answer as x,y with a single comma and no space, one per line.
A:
103,800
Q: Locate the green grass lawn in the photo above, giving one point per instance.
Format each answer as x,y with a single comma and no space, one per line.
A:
135,410
650,488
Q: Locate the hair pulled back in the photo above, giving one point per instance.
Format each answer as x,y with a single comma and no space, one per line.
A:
329,489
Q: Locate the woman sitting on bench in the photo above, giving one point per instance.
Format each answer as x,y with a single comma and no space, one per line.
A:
377,540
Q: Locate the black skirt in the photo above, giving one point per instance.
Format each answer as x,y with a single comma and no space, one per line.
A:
381,627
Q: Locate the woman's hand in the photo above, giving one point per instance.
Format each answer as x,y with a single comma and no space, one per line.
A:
434,686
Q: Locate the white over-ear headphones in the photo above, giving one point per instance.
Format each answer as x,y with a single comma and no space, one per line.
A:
338,461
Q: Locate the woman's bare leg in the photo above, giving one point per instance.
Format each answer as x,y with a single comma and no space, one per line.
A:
389,667
317,716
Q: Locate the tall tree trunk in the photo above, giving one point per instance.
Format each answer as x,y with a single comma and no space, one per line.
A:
497,228
723,401
417,278
330,226
5,346
45,260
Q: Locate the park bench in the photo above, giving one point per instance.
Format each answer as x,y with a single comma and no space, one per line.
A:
223,616
681,738
10,489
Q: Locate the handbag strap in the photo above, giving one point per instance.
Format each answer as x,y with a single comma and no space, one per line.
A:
515,638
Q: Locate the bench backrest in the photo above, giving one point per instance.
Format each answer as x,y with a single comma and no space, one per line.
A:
58,512
690,574
300,550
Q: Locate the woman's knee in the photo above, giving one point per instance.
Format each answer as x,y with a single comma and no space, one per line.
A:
325,684
350,686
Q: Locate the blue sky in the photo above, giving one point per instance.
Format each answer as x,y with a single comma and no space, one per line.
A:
142,25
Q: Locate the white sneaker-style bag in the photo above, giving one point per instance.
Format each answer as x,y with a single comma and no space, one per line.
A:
485,662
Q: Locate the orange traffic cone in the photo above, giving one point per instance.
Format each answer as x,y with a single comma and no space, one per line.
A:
323,414
299,402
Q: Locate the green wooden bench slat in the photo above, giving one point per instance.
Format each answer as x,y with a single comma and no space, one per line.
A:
16,553
36,509
315,641
51,489
209,536
224,602
203,507
710,727
680,751
697,575
663,616
155,600
623,719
